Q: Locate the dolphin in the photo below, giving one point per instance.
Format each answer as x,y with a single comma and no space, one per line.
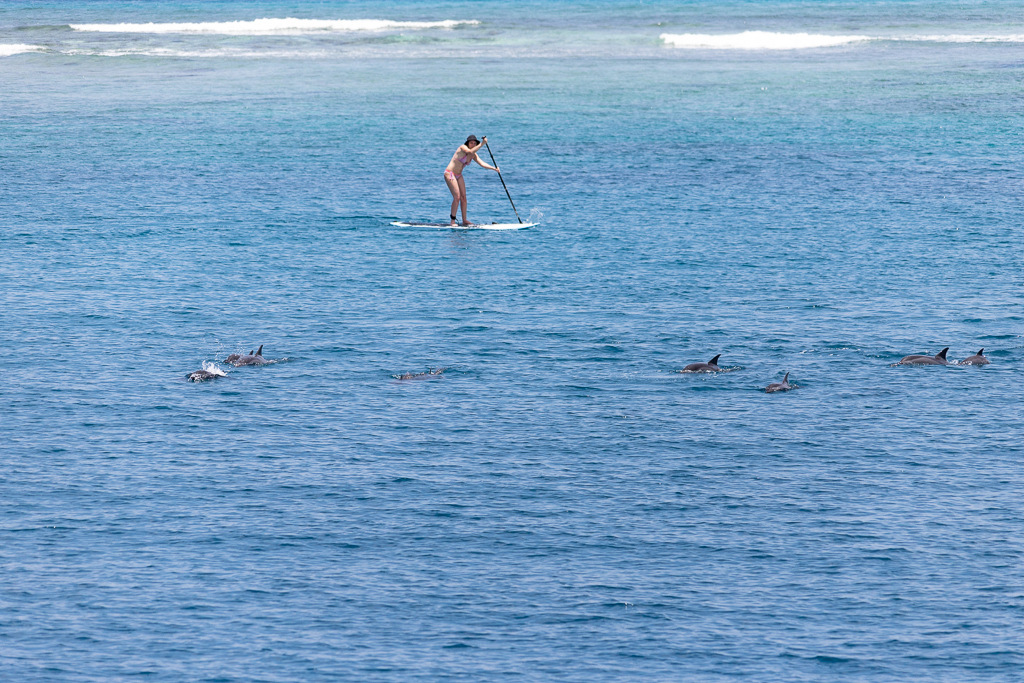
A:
203,375
784,385
235,356
238,360
918,359
976,359
421,375
710,366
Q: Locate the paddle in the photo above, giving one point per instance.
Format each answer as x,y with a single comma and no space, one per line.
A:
502,179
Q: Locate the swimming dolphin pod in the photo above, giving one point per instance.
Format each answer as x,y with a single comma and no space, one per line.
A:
784,385
919,359
210,371
976,359
238,360
710,366
256,358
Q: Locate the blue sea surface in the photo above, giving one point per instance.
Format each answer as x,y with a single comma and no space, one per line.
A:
180,181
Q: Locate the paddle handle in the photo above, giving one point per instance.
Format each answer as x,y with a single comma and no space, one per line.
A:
502,180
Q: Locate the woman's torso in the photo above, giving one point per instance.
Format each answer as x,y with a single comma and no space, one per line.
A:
459,160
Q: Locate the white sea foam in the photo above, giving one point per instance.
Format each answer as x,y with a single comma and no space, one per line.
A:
6,50
757,40
213,368
225,53
767,40
962,38
265,27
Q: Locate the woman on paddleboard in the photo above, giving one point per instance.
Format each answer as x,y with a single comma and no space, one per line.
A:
453,174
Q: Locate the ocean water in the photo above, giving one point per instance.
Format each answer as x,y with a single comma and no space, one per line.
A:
818,188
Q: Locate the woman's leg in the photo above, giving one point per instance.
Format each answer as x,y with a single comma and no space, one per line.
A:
453,187
462,191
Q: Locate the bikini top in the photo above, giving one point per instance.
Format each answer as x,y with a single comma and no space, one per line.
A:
463,160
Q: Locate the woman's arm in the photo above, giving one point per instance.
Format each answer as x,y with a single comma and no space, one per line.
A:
466,149
478,160
483,163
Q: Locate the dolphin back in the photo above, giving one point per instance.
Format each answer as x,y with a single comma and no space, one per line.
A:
779,386
977,359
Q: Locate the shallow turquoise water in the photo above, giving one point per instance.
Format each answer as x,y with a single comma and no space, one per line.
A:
562,504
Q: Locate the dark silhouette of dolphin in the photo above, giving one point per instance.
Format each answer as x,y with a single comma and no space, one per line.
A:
238,360
710,366
976,359
784,385
918,359
421,375
203,375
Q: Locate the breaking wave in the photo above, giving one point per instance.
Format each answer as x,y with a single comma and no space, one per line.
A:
16,49
225,53
958,38
767,40
757,40
264,27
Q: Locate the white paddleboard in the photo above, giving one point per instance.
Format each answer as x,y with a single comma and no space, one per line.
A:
472,226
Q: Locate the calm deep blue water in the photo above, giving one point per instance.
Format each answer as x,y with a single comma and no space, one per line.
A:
561,503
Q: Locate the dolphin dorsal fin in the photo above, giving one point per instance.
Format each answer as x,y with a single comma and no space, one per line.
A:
981,352
785,380
250,352
714,361
942,354
259,351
